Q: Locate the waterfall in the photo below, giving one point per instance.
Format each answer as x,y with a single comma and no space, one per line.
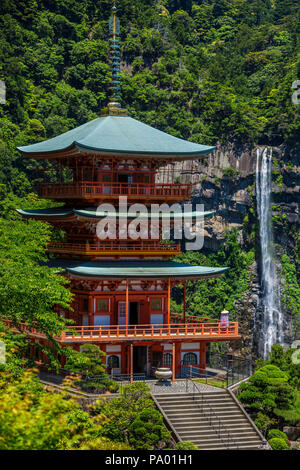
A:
271,329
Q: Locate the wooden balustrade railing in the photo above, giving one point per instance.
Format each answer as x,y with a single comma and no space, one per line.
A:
115,247
208,330
142,332
99,190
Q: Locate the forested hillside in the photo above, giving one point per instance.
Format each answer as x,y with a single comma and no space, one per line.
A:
208,71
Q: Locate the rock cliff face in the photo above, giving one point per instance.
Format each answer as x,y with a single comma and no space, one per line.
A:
227,185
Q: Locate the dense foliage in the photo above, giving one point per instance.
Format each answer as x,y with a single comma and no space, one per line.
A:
30,291
272,392
278,443
33,419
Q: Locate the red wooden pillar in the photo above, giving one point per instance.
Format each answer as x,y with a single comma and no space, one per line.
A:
169,300
127,311
131,363
173,362
184,299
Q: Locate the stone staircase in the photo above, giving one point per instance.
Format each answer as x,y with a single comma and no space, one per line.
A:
189,422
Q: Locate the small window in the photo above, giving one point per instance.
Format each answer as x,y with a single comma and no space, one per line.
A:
85,305
168,357
156,305
113,362
102,305
146,179
190,359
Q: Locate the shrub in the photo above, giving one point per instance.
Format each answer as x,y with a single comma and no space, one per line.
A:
185,445
264,422
148,431
278,444
275,433
268,389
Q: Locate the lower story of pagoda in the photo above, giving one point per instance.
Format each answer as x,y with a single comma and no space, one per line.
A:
141,359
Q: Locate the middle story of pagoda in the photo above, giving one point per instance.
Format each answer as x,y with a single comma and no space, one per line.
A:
122,287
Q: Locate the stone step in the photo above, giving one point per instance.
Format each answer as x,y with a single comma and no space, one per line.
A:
202,420
201,416
207,427
216,440
198,414
187,395
222,447
217,409
177,400
237,432
197,399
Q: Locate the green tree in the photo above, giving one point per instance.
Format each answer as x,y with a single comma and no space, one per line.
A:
29,292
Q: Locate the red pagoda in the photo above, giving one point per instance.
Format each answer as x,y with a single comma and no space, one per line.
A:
122,287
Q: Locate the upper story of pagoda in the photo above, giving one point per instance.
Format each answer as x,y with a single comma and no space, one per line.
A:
116,155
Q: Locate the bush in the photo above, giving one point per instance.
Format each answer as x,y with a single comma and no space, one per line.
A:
148,431
264,422
275,433
267,389
185,445
278,444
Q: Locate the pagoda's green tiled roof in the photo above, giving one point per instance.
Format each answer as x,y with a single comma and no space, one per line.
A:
141,269
119,135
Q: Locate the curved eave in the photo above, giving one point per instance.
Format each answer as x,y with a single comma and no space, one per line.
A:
76,147
89,215
173,271
46,214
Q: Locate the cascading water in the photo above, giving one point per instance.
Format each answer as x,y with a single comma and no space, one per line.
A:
271,329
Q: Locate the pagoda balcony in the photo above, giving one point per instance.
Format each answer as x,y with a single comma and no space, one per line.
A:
115,248
95,190
208,331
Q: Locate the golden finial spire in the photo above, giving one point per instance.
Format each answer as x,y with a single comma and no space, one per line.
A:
114,106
